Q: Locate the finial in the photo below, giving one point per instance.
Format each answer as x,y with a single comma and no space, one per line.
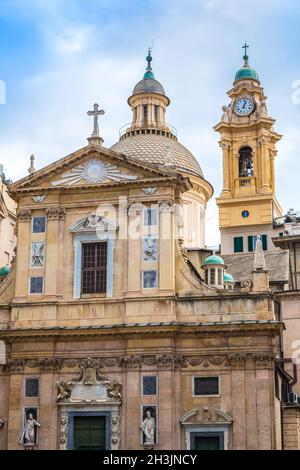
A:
245,56
31,169
95,137
149,73
259,257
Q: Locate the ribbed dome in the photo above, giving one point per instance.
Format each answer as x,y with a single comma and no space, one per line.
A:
148,85
153,148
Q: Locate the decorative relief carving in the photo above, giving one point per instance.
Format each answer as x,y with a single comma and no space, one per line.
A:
206,415
149,190
114,432
166,206
63,432
39,199
90,368
246,285
24,215
37,255
56,213
89,386
93,171
183,250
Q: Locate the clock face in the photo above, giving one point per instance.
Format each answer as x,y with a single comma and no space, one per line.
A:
244,106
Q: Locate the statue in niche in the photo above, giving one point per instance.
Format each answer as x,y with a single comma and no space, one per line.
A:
29,433
148,427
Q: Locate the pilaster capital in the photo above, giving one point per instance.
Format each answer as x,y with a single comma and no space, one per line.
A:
24,215
55,213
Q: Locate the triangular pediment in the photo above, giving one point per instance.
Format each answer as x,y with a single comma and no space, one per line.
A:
91,165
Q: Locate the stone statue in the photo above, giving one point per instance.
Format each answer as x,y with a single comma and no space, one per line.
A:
227,113
29,433
148,427
114,391
63,390
259,257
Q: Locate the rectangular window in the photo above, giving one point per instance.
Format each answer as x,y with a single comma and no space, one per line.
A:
94,267
36,285
149,279
31,388
149,385
145,112
156,112
150,217
38,224
252,242
220,273
238,244
206,386
212,276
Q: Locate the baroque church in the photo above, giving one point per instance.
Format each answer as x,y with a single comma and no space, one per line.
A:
121,329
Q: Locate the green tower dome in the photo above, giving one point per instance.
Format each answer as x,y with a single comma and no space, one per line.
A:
214,259
228,277
4,271
246,72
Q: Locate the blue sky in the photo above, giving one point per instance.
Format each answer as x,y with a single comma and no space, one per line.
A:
60,56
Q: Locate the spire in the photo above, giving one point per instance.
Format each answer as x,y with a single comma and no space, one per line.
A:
31,169
259,257
149,73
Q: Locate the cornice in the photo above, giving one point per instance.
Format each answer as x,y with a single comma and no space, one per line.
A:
234,328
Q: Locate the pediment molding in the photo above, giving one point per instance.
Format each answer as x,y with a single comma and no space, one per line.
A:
144,171
206,415
93,223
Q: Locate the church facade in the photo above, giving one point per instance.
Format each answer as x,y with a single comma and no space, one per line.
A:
121,330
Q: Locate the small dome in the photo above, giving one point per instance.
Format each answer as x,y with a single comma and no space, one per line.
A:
228,277
148,85
246,72
214,259
4,271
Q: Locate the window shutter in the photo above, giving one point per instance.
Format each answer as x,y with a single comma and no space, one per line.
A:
251,243
264,242
238,244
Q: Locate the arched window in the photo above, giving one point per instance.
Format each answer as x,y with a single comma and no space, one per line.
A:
245,162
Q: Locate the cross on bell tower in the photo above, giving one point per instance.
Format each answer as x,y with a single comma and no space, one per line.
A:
95,137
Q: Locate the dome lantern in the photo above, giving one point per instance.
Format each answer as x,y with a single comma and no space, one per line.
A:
246,72
214,268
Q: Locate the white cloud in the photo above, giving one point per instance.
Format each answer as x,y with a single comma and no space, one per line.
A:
73,40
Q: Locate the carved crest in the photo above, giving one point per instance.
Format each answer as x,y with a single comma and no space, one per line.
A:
90,386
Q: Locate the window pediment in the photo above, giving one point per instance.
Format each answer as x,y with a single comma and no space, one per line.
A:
93,223
206,415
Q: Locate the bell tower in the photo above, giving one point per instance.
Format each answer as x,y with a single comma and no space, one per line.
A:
247,203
